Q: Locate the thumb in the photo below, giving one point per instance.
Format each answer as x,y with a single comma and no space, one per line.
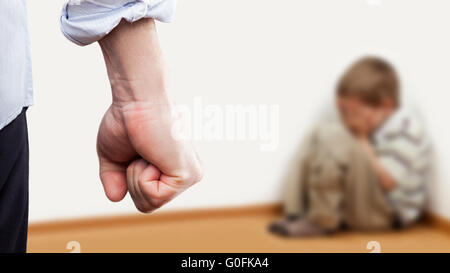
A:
113,179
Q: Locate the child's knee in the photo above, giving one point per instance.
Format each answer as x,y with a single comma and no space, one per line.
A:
334,141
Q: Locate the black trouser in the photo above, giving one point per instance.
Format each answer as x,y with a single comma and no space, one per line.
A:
14,185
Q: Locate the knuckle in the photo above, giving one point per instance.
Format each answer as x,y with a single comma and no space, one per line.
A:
145,209
191,176
198,176
156,203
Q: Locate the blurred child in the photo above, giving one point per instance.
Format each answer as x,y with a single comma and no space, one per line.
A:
365,172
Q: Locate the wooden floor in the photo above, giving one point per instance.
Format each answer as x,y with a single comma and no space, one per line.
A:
220,233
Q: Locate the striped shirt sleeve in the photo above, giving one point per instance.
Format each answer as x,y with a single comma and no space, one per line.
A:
403,150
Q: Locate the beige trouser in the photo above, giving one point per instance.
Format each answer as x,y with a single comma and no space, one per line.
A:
332,182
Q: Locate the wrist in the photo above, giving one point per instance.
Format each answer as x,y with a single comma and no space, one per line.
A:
364,141
362,137
126,92
134,62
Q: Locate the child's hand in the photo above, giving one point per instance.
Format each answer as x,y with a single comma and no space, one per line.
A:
356,117
362,125
148,188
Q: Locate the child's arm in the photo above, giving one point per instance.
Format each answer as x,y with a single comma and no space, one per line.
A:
386,180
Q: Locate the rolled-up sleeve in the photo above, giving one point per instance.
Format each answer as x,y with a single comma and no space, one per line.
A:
86,21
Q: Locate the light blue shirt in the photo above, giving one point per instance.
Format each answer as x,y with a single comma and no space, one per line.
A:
15,66
82,22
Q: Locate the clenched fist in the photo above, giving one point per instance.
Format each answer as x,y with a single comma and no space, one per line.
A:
141,130
135,145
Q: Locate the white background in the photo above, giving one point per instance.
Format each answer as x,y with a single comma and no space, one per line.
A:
285,52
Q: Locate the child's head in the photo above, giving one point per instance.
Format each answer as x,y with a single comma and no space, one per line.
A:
367,94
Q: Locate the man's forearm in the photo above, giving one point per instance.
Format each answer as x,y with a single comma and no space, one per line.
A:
134,63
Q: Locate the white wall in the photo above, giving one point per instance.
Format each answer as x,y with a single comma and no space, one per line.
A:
285,52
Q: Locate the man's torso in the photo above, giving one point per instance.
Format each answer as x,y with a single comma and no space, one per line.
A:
15,64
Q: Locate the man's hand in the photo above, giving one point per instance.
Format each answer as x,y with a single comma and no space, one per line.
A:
139,123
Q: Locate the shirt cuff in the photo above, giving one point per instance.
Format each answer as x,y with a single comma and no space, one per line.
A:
87,21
